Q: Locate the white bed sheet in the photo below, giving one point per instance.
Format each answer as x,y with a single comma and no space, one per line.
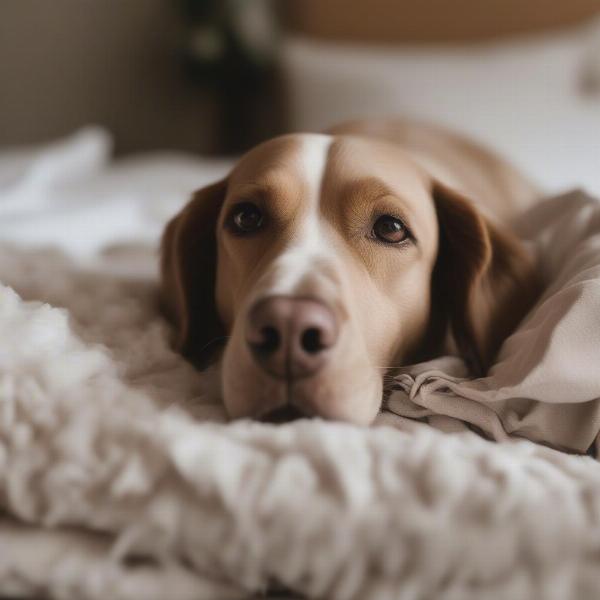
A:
71,195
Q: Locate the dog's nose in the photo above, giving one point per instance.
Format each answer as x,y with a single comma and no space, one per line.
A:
290,337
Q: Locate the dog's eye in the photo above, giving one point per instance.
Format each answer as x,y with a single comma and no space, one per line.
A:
390,230
246,218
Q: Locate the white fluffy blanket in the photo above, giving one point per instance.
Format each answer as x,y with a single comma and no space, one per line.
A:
119,480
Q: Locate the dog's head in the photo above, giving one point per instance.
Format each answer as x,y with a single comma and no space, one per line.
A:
320,263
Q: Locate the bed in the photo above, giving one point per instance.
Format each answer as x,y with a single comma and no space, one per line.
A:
119,479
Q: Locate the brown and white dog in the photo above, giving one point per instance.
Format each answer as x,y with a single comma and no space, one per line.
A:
324,261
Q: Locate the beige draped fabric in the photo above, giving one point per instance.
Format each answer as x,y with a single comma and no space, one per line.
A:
545,385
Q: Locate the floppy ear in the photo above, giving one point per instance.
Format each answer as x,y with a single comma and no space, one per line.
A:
188,274
484,280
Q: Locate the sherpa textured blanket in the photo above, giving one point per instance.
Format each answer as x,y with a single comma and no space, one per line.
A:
118,479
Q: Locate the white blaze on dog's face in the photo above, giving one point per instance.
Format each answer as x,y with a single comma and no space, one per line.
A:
324,245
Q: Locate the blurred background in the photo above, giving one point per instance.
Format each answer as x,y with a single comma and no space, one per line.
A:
216,76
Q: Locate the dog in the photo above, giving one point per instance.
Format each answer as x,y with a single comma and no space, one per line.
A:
322,262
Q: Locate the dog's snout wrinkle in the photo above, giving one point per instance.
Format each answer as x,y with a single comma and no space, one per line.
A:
289,337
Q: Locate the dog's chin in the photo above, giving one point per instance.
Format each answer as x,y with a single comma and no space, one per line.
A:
345,394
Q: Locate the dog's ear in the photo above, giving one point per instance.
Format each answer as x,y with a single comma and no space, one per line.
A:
484,280
188,274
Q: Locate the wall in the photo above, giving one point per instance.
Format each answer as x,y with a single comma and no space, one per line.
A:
66,63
